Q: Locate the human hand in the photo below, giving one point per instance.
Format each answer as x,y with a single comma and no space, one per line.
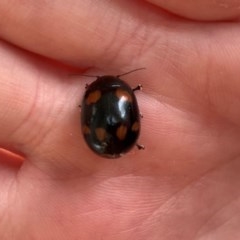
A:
185,184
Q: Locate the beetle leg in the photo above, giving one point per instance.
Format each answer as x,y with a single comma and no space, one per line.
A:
139,87
140,147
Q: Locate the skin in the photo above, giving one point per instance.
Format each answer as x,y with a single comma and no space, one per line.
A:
185,184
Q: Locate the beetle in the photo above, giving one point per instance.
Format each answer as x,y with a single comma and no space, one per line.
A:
110,117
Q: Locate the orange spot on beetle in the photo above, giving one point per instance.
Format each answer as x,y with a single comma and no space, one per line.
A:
123,94
121,132
93,97
86,129
101,134
135,127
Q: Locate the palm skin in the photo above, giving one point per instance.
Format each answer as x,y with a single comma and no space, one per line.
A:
184,185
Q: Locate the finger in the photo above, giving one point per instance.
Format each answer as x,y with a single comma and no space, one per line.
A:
206,10
9,163
175,84
41,118
33,107
74,31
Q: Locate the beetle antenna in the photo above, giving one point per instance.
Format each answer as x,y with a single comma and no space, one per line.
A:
120,75
130,72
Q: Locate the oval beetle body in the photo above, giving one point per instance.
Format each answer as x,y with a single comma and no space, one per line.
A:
110,116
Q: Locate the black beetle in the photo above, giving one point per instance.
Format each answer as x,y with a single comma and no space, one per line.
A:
110,116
